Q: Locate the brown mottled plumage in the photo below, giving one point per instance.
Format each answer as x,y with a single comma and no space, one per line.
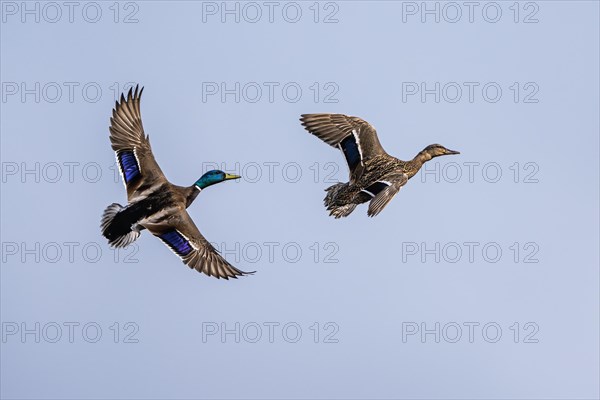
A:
375,176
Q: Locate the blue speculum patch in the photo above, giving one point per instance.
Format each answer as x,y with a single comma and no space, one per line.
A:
177,242
129,165
350,149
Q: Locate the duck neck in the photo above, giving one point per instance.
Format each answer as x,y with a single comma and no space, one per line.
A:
192,192
417,162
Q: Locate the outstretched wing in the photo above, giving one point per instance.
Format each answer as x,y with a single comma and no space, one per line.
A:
182,236
138,167
356,138
383,191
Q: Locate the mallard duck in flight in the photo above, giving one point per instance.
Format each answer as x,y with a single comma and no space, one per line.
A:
375,176
153,202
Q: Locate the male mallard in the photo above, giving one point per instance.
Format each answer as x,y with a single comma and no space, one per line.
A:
153,202
374,175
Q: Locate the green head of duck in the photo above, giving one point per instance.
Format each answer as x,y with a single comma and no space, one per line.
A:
214,176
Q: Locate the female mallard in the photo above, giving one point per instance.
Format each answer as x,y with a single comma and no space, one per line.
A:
375,176
153,202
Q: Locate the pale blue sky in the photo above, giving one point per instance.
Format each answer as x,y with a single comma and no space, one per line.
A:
378,287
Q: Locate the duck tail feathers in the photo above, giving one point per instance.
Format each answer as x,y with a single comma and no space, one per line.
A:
334,205
116,228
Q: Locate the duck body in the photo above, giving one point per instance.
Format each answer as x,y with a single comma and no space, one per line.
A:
154,207
153,203
375,176
342,198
